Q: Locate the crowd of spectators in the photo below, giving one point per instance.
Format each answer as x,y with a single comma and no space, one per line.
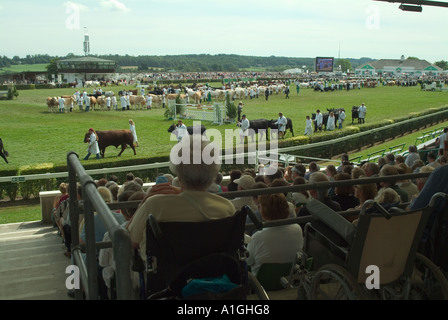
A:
191,192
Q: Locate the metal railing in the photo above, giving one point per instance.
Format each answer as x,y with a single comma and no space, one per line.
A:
121,242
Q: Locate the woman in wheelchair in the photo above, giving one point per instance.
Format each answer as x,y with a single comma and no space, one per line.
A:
277,244
191,202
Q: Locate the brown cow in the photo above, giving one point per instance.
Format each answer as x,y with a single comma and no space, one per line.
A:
115,138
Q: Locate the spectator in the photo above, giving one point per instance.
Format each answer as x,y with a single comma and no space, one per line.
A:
389,170
420,182
257,185
298,170
363,192
344,158
234,174
388,198
418,164
300,198
406,184
331,172
277,244
245,182
399,159
63,189
192,197
412,156
250,172
432,160
347,168
271,177
381,162
344,195
106,256
129,177
218,181
357,172
440,140
101,182
390,159
280,182
288,174
371,169
313,167
319,194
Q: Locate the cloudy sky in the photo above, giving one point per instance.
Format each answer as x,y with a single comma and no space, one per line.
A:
288,28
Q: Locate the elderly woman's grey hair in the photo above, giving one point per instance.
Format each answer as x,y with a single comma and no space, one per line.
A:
195,161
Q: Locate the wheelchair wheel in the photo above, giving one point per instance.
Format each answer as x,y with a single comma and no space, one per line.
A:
427,282
333,282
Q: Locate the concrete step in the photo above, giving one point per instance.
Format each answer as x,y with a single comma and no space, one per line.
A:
32,262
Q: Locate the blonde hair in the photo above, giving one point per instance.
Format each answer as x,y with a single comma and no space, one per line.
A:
387,195
106,194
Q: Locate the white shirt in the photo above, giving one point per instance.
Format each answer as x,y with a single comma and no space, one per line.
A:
244,127
281,122
319,119
274,245
362,111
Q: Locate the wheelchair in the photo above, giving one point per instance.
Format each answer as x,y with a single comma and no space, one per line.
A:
376,260
198,260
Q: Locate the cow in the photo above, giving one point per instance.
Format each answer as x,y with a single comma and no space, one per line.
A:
355,114
288,126
114,138
69,101
52,103
3,152
101,101
259,126
138,102
190,129
93,103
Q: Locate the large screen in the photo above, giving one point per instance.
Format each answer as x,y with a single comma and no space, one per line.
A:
324,64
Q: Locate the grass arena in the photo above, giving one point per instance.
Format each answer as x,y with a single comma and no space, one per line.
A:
32,135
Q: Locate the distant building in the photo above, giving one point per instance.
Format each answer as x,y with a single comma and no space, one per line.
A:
85,68
398,68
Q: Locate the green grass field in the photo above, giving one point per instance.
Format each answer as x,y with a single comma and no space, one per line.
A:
32,135
24,67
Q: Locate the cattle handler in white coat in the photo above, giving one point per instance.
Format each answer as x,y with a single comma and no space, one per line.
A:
93,145
244,126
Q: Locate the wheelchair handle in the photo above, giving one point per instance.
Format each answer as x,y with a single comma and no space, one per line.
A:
257,223
437,195
378,207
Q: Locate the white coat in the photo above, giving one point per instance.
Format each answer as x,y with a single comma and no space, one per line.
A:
93,145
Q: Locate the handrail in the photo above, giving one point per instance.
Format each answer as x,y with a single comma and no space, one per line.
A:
121,242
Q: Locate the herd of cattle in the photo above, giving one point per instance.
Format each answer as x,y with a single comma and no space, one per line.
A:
137,101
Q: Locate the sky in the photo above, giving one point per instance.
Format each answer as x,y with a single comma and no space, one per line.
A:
282,28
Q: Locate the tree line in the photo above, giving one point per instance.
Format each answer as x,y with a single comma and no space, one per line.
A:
201,62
